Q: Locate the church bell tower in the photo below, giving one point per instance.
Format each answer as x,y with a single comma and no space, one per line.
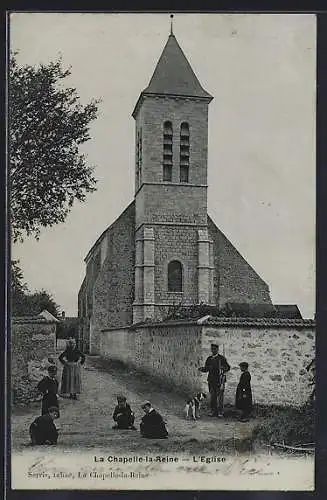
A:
173,252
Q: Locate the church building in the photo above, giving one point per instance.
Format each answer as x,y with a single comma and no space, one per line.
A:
164,249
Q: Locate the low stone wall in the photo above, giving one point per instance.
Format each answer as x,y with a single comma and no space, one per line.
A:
277,351
33,341
168,352
118,344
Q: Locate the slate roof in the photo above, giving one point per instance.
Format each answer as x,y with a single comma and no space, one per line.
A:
69,319
173,74
287,311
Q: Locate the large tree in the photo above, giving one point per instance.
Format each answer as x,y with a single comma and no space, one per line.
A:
47,125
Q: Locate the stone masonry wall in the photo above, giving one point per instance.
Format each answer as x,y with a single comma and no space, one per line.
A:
33,341
234,279
277,358
85,295
171,203
113,291
160,201
151,117
169,352
84,327
176,243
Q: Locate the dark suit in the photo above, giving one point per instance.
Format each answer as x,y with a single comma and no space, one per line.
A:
152,426
216,366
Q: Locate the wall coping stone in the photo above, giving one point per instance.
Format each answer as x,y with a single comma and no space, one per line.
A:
222,321
146,324
259,322
31,319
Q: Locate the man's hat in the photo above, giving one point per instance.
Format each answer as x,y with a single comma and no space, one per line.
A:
145,403
121,397
244,364
215,345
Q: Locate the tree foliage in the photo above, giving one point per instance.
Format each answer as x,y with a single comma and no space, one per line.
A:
25,303
47,126
18,286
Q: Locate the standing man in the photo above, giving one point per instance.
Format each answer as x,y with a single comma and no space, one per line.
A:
216,366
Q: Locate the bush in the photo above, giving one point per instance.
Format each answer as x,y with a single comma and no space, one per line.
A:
292,426
24,392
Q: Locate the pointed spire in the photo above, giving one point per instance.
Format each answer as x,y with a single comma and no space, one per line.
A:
173,74
171,24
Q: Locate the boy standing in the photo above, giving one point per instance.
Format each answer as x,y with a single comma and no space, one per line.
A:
244,393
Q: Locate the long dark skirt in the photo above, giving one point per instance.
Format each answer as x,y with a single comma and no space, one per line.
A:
244,400
71,378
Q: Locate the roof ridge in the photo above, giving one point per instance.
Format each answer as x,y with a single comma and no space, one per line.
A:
259,321
97,241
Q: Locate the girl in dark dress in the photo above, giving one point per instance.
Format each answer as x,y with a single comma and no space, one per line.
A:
72,359
48,386
43,430
244,393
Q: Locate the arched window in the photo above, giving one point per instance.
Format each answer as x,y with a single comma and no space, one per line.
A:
184,152
175,276
167,152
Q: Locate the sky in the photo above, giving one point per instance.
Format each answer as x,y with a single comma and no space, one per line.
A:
260,69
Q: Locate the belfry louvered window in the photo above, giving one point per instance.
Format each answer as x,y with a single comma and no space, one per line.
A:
168,152
184,152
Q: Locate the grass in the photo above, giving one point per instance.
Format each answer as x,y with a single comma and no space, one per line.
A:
288,425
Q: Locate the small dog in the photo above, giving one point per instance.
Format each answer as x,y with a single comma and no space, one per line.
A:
193,405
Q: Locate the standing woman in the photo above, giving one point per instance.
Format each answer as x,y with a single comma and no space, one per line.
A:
72,359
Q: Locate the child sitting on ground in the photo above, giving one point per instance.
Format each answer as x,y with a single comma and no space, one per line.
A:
43,430
152,425
123,415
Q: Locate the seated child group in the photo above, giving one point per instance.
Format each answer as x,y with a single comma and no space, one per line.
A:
43,430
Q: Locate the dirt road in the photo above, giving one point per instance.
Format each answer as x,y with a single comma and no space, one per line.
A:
87,423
